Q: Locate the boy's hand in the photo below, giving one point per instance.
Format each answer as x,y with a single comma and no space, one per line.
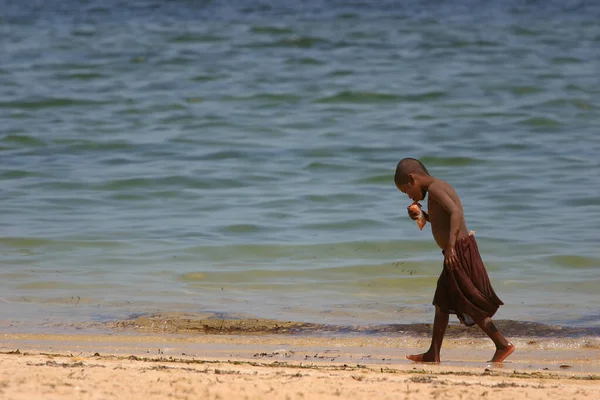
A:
450,258
413,214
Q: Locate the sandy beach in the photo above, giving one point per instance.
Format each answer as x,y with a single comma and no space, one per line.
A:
182,366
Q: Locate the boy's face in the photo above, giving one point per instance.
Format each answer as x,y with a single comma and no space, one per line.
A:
413,188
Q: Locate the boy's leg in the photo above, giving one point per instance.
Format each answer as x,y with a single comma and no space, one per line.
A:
440,323
503,347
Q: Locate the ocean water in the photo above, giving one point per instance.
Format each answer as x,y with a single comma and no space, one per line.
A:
237,157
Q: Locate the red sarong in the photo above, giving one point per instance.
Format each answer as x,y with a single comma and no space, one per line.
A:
466,291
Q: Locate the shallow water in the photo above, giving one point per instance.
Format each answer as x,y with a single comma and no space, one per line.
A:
238,158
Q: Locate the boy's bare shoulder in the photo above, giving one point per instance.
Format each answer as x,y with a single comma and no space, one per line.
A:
439,185
443,193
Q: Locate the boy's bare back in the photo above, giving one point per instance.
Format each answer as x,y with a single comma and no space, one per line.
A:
442,202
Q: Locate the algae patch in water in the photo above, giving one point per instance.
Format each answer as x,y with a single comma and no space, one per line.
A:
209,324
224,323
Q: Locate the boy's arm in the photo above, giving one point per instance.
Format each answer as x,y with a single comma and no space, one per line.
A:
440,195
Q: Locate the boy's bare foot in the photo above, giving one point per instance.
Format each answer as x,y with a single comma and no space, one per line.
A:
425,357
501,354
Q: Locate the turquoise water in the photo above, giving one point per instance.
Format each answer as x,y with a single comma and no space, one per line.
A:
238,158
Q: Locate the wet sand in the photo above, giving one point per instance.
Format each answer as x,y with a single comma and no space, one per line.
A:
142,364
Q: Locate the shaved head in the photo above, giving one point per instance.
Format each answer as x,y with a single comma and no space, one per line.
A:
408,166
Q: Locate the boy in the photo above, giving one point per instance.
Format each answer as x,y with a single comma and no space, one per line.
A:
463,287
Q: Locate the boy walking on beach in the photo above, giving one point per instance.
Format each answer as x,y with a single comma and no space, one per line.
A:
463,287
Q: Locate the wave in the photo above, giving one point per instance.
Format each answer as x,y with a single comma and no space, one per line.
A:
303,42
541,122
450,161
574,261
377,97
83,76
172,181
271,30
193,38
51,103
32,242
22,140
269,97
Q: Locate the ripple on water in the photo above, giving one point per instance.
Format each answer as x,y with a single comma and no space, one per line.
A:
303,42
572,261
451,161
51,103
21,140
540,122
271,30
196,38
378,97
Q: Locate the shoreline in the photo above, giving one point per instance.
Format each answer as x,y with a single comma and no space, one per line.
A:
213,323
208,335
189,356
186,356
